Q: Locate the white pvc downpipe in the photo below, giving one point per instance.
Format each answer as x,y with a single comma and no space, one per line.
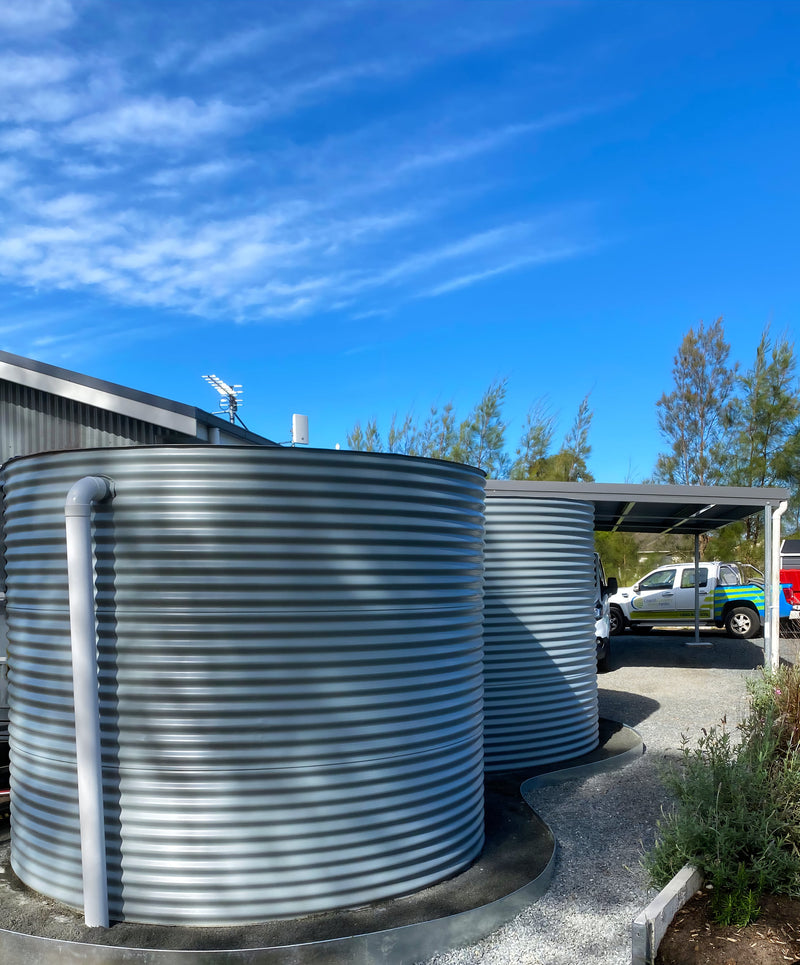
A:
772,583
83,632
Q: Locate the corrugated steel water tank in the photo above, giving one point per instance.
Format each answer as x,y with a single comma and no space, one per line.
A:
290,655
540,701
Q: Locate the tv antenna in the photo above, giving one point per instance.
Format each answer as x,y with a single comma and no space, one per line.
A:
230,398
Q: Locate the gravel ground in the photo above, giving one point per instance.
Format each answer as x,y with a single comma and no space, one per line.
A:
664,689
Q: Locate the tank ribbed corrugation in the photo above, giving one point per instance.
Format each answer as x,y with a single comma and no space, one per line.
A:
3,632
291,681
539,637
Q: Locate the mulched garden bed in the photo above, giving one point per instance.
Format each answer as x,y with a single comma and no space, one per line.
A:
693,939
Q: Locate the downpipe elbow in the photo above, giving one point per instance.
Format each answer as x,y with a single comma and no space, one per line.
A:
85,492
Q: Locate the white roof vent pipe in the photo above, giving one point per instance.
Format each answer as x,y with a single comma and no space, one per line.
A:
83,633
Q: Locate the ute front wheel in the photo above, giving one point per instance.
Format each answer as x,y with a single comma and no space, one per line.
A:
742,622
616,621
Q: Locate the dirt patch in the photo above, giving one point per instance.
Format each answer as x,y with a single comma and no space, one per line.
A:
693,939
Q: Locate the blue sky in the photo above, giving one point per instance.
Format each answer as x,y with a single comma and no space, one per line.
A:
357,208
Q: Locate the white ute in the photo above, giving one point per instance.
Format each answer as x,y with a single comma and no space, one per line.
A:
602,613
731,595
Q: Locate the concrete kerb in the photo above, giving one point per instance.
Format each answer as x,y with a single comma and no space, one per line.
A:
650,926
621,749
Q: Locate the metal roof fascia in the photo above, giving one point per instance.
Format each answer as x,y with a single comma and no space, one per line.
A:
747,500
645,492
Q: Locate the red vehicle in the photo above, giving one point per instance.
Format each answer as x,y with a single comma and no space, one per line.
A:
790,584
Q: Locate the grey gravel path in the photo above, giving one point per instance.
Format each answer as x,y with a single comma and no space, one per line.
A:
664,689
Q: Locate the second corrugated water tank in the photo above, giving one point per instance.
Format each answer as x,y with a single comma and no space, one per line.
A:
539,639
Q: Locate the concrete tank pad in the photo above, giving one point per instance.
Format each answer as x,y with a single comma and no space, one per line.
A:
512,872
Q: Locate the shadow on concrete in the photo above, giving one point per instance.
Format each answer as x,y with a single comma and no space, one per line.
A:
675,648
513,870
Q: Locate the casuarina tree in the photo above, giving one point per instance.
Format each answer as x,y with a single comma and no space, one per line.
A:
696,416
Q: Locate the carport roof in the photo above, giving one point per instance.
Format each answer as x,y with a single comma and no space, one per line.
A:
651,508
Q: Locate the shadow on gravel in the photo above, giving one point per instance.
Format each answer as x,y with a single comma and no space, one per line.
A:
625,706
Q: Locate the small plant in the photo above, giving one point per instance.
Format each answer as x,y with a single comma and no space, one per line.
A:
737,903
737,816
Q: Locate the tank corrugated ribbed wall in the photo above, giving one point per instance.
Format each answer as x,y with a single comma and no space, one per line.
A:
290,678
539,638
3,632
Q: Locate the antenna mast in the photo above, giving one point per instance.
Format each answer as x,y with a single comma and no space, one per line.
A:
230,398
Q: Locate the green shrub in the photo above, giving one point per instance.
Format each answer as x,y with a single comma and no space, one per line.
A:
737,816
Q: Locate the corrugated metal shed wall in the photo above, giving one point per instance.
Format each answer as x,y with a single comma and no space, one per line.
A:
291,678
539,637
35,421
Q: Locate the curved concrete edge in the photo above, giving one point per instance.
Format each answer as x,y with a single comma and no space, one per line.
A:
586,768
650,926
400,945
404,944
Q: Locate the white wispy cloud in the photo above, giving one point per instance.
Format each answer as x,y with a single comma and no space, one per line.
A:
282,264
25,139
36,16
12,328
322,83
243,43
12,173
78,170
514,264
21,71
41,105
14,251
430,259
74,338
67,207
462,149
251,262
247,43
195,173
37,89
190,186
379,160
153,121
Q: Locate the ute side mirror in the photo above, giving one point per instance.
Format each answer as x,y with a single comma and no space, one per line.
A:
612,586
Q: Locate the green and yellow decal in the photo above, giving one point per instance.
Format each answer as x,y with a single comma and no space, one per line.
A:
750,593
